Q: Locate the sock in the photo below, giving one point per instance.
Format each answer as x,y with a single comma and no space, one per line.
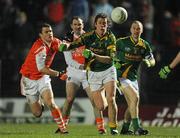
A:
66,120
100,123
56,113
135,123
125,126
112,125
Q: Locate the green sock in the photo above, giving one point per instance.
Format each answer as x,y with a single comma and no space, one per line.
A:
126,126
136,123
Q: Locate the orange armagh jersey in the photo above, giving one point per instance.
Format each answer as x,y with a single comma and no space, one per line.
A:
78,56
30,67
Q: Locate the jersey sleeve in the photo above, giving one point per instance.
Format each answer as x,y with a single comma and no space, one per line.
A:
77,43
148,53
55,44
69,60
40,57
112,46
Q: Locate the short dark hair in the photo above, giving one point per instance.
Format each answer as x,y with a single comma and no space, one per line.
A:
41,25
75,18
100,15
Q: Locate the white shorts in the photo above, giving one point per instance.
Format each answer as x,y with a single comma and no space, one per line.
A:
32,89
78,77
126,82
98,79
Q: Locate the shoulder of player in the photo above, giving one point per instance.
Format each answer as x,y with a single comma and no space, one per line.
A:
37,48
123,38
144,40
146,43
56,41
111,34
87,34
37,44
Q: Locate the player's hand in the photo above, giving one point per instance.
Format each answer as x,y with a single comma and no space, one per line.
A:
147,62
88,53
62,47
62,75
117,65
116,62
163,73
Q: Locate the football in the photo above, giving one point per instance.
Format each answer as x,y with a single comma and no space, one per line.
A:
119,15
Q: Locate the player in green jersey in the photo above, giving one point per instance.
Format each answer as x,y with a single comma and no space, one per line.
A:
100,50
131,51
163,73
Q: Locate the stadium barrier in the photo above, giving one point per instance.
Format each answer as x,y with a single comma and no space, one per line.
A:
16,110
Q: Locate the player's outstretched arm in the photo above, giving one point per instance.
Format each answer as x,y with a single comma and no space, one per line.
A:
163,73
175,61
89,54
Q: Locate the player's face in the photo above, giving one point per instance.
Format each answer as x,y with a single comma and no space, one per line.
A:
136,30
77,26
47,34
101,26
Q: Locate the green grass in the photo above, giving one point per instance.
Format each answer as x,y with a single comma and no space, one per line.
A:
75,131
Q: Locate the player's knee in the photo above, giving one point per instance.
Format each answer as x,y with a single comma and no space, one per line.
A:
70,100
37,114
51,105
135,98
101,107
111,100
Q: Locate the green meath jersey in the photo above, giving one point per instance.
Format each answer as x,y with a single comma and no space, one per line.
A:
105,46
130,55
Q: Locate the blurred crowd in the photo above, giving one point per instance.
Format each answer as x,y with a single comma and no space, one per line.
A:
19,20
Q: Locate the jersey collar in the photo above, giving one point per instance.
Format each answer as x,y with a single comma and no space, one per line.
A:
139,43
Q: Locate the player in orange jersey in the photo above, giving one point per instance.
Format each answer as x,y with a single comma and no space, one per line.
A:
35,80
77,75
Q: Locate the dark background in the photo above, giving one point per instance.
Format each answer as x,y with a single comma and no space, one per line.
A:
19,20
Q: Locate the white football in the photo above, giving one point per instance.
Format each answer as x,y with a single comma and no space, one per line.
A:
119,15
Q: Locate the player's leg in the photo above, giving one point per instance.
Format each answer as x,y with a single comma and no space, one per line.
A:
109,81
126,124
110,88
29,89
45,90
98,114
96,81
71,90
48,98
132,97
127,120
35,105
99,100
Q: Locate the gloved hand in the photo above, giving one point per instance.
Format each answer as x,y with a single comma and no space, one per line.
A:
116,62
62,47
163,73
147,62
88,53
117,65
62,75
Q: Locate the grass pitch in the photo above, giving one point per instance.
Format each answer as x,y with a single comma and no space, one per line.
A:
75,131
